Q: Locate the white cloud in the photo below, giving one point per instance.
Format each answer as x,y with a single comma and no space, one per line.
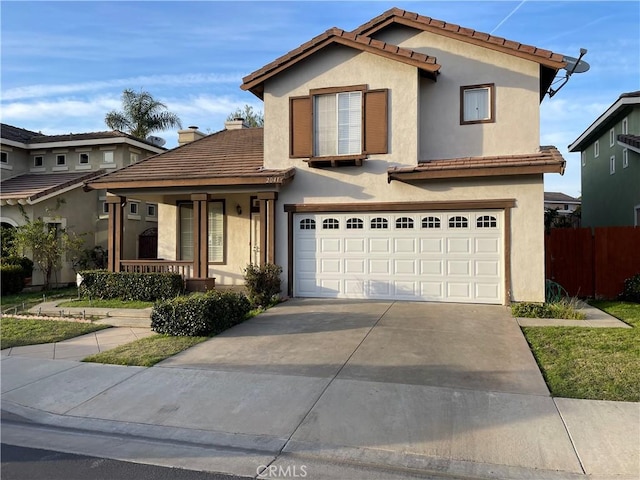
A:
43,90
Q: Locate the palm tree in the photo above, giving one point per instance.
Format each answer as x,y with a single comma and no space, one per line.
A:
141,115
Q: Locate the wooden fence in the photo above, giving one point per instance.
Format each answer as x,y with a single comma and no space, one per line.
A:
592,263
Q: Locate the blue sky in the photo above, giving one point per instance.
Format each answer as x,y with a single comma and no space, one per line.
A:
65,64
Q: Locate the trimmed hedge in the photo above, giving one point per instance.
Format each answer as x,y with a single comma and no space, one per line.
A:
146,287
12,279
199,314
263,283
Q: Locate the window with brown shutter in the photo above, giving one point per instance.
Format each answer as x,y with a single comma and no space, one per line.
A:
338,126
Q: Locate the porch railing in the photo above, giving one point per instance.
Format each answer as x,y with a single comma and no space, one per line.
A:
184,268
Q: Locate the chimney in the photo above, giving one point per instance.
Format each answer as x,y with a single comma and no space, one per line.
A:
236,124
189,135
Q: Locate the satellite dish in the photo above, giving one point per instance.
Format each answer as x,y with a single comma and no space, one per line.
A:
575,65
158,141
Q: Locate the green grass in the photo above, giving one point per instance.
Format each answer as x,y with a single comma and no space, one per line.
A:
146,351
106,303
18,332
591,363
33,298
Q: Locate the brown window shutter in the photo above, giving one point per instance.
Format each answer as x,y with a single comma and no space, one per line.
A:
376,121
300,127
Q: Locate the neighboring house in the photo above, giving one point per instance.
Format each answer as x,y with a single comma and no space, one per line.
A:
37,171
610,158
563,203
398,161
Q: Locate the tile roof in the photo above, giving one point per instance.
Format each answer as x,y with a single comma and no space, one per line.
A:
337,36
16,134
631,94
397,15
559,197
631,140
231,157
32,186
547,160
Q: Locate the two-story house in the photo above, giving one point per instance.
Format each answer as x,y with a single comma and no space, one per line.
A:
610,158
397,161
43,176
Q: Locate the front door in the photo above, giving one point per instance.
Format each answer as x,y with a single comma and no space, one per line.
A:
255,239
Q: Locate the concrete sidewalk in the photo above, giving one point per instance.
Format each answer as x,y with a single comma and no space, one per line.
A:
117,317
395,399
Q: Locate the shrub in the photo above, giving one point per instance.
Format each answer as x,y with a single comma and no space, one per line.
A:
199,314
146,287
12,279
565,308
263,283
631,290
24,262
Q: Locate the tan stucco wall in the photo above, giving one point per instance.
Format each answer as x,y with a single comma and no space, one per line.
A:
517,117
341,67
16,164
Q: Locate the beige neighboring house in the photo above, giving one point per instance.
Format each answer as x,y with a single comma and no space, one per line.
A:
37,171
565,204
398,161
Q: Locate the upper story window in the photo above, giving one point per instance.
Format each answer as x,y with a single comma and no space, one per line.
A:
625,126
133,158
584,158
133,208
4,157
337,128
151,210
477,104
83,159
38,161
334,126
596,149
61,159
107,157
612,137
625,158
612,165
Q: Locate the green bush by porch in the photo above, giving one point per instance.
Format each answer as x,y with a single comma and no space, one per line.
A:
146,287
199,314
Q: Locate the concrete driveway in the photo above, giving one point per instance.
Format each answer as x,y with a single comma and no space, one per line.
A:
475,347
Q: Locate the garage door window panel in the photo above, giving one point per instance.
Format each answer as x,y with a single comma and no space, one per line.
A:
404,222
379,223
330,224
431,222
458,222
355,224
487,221
307,224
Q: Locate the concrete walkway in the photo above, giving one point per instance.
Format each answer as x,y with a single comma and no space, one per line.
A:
344,389
117,317
80,347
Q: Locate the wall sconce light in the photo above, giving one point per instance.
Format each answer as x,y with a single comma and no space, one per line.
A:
238,209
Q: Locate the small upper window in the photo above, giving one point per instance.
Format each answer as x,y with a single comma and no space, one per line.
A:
596,148
61,159
355,223
307,224
488,221
404,222
458,222
612,165
133,158
612,137
379,223
38,161
337,124
4,157
151,210
133,208
625,126
105,207
330,224
108,157
477,104
430,222
84,158
584,158
625,158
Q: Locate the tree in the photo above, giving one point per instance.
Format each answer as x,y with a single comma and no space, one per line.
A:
141,115
251,118
46,242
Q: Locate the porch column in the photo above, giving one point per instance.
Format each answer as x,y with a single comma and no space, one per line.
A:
267,227
114,240
200,236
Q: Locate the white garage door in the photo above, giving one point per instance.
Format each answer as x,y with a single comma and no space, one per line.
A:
432,256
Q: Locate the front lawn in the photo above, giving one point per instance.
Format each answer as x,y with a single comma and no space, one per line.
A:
591,363
18,332
106,303
30,299
146,351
